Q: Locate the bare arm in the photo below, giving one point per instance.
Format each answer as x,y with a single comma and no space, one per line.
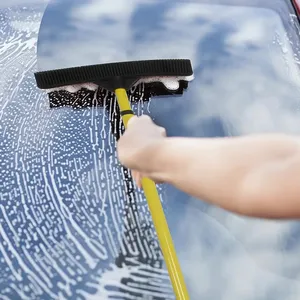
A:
253,175
257,176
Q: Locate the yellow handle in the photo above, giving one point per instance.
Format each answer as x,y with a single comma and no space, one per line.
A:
158,216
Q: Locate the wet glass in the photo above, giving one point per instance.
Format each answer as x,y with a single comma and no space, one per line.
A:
73,226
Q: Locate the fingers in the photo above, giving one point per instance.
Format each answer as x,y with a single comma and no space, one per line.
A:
144,119
132,120
137,176
141,119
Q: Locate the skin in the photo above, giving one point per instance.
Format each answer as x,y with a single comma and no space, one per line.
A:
254,175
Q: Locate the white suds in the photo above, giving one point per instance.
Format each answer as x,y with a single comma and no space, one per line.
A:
74,88
171,83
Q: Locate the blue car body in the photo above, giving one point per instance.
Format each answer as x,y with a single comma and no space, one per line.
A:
69,227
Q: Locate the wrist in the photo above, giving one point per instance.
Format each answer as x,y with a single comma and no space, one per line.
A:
158,162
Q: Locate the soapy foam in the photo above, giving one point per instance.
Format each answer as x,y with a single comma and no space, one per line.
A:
171,83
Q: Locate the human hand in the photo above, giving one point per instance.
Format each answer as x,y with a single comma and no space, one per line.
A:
138,144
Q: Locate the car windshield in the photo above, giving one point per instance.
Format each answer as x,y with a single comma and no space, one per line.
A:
72,223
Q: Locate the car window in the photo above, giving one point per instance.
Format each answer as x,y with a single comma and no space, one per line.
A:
73,225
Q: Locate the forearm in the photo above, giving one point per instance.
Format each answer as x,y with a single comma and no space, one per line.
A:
224,171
